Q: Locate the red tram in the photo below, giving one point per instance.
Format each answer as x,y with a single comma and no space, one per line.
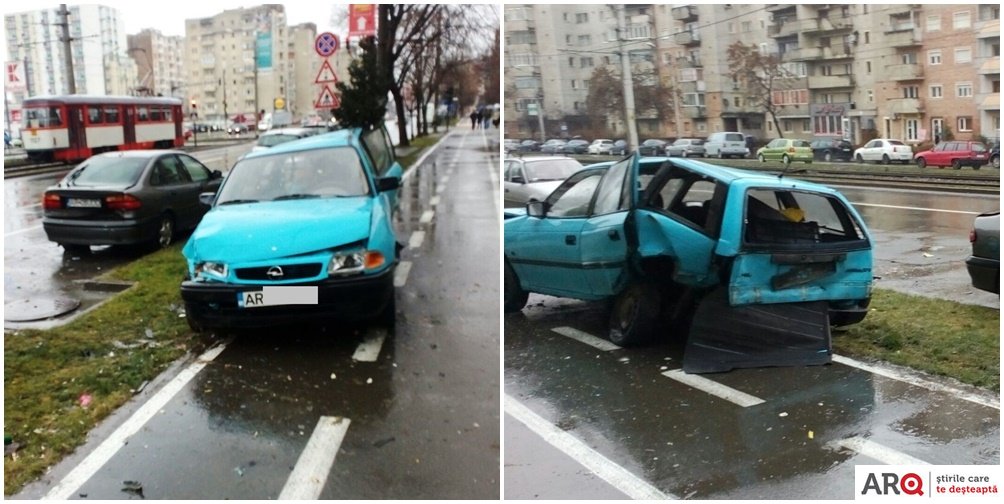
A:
74,127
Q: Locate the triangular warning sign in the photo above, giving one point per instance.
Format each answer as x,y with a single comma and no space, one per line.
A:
326,74
327,99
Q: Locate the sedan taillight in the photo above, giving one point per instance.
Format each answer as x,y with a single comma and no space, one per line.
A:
972,236
52,201
122,202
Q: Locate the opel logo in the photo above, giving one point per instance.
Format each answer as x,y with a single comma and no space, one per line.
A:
274,273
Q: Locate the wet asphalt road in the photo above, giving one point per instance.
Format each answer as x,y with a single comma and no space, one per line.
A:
617,427
418,407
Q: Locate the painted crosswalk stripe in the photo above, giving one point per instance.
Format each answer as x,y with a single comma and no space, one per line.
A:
401,273
110,446
714,388
876,451
416,239
369,349
607,470
584,337
434,201
426,217
311,471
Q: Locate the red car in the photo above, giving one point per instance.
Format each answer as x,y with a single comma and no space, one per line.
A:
954,153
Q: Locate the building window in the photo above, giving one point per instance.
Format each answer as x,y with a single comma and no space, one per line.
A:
732,27
910,92
933,23
581,18
936,91
575,84
965,123
868,67
912,130
868,34
586,62
963,55
747,26
909,58
571,62
693,99
870,96
827,125
934,57
585,40
961,20
964,89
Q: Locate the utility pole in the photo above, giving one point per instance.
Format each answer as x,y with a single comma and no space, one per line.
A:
629,116
540,113
71,84
226,117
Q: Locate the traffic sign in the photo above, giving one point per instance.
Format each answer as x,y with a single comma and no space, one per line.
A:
326,74
327,99
326,44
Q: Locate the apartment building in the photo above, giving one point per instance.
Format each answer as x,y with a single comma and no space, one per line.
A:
856,71
159,63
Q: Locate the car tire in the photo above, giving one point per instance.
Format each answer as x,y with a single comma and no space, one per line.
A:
956,164
828,157
761,158
859,159
785,159
76,249
635,314
996,162
165,232
921,163
885,159
515,296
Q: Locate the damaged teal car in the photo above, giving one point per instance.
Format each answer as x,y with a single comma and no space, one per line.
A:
300,231
752,268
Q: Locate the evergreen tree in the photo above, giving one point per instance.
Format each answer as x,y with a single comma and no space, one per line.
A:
364,98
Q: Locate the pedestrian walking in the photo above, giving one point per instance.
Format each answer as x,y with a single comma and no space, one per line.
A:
474,119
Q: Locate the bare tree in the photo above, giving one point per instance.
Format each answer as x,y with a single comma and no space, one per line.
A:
606,96
759,75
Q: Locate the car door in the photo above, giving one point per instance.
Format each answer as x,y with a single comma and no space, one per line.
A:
205,181
515,180
604,244
872,150
181,193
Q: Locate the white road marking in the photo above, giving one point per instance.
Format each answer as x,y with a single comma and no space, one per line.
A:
312,468
440,188
915,208
426,217
401,273
714,388
111,445
584,337
617,476
369,349
434,201
908,377
411,169
876,451
25,230
416,239
445,179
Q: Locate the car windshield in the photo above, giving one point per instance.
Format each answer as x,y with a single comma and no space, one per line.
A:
895,142
114,171
334,172
558,169
272,140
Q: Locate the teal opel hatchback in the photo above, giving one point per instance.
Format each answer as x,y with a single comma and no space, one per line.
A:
299,231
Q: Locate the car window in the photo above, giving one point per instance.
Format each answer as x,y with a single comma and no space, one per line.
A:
895,142
612,195
800,143
556,169
978,147
780,217
107,171
166,171
196,171
332,172
379,149
572,198
734,137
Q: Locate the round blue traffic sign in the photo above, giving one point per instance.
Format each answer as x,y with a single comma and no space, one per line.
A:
326,44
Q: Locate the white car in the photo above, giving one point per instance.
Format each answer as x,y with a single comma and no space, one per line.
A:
534,178
885,150
600,146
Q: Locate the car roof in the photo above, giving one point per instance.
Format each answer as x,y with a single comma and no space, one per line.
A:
142,153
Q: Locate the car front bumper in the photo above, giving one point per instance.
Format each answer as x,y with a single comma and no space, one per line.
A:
83,232
985,273
353,298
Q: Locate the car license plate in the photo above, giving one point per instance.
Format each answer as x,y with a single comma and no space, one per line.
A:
278,295
83,203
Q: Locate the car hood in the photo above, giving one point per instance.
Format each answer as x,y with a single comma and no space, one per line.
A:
258,231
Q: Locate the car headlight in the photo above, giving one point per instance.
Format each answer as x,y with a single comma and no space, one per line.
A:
355,261
211,269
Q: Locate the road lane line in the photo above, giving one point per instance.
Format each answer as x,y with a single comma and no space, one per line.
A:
922,209
369,349
416,239
584,337
426,217
617,476
25,230
714,388
440,188
411,169
445,178
907,377
401,273
312,468
876,451
434,201
111,445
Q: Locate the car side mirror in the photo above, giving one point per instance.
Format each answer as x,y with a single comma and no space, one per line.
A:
388,183
517,179
207,198
215,174
536,208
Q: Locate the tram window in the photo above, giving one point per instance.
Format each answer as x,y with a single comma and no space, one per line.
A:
155,114
43,117
167,114
142,114
94,115
111,114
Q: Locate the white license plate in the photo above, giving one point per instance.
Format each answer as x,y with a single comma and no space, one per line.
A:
278,295
83,203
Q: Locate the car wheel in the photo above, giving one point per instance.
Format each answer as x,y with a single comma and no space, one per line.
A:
76,249
885,159
859,159
827,156
635,314
957,164
976,166
165,231
761,158
515,296
921,162
995,162
785,159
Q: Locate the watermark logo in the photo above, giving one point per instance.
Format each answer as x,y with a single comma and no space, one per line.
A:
892,483
885,482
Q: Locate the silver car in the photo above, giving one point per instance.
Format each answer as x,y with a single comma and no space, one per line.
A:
686,147
536,177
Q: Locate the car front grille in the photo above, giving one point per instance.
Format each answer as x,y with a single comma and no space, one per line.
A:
290,272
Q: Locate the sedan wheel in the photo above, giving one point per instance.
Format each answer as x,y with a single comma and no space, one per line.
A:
921,162
761,158
635,314
885,159
957,164
859,159
785,159
515,296
165,232
827,156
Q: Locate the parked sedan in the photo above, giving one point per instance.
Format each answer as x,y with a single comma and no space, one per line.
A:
530,178
884,150
552,146
686,147
955,153
127,197
529,146
984,265
575,147
601,146
785,150
832,149
237,129
653,147
620,148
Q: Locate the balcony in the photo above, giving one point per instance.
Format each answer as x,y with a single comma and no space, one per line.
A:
904,72
780,7
830,81
909,37
786,27
687,38
689,62
686,13
804,53
836,52
520,25
697,112
827,25
904,106
991,102
991,66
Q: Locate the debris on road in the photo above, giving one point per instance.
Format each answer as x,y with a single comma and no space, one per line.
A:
133,487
